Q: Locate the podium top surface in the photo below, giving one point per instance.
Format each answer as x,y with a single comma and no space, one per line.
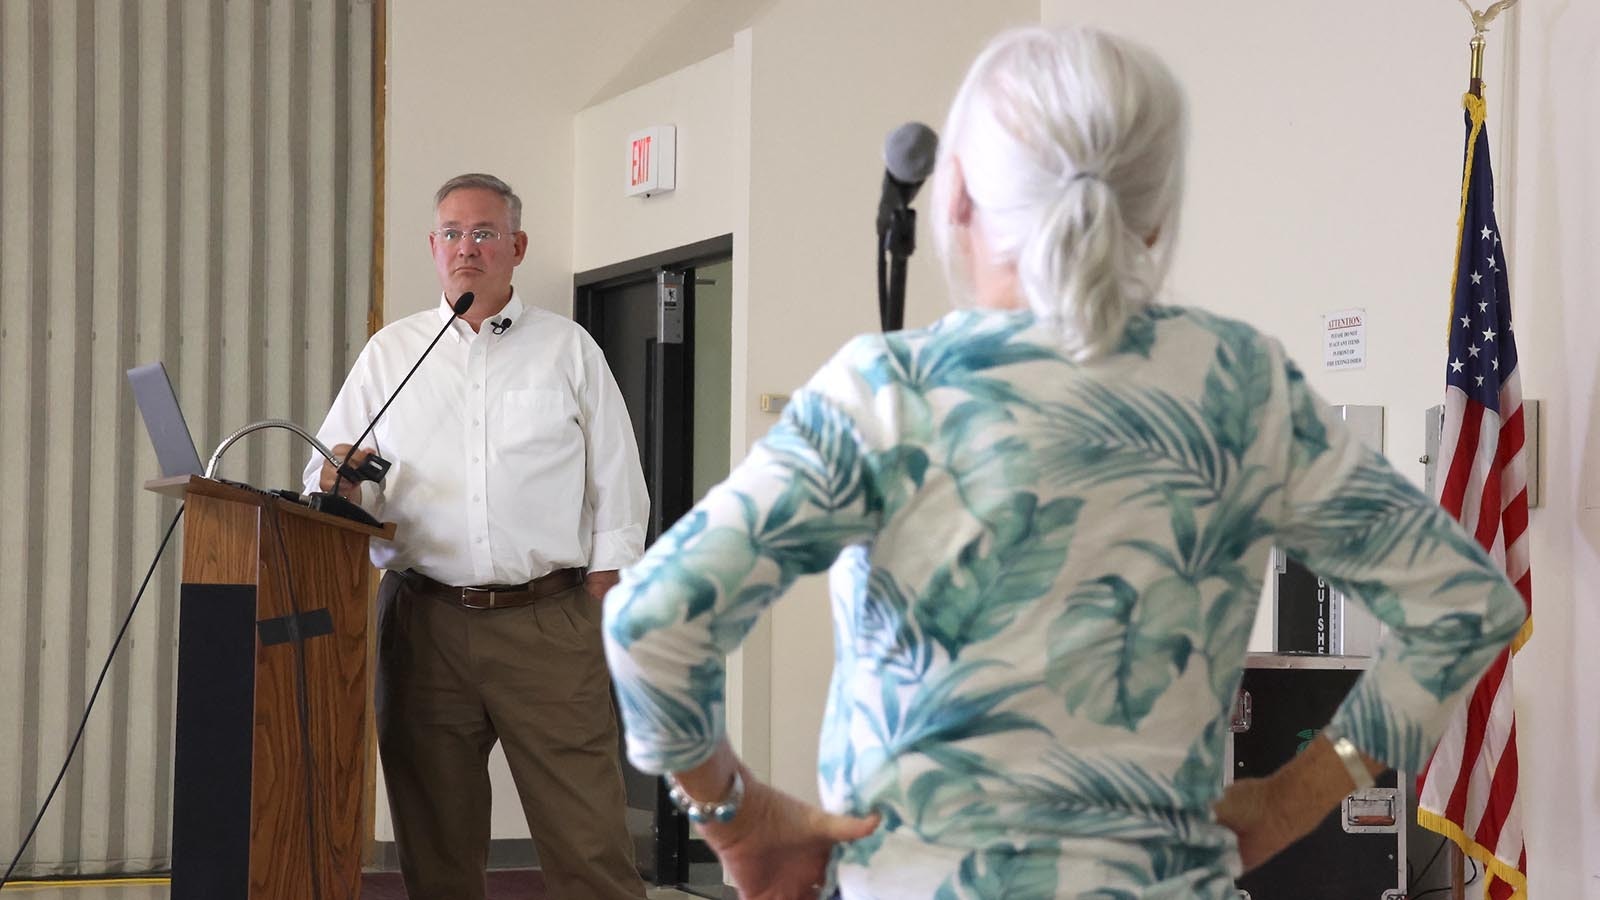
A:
182,486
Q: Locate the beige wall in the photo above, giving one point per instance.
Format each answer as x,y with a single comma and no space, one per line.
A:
1549,209
465,98
699,99
1334,182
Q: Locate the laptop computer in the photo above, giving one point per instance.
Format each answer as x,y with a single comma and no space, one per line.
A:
163,419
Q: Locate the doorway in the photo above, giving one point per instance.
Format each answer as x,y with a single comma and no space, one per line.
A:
664,323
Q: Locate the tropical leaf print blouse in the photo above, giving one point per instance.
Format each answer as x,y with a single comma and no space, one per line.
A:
1044,575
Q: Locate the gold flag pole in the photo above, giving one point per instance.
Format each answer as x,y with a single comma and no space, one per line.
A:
1480,24
1475,82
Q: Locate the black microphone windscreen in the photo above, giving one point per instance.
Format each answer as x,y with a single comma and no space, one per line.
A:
463,303
909,152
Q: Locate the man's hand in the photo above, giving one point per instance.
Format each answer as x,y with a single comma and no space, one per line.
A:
597,583
350,490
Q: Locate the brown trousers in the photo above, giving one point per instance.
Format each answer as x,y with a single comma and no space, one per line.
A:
452,682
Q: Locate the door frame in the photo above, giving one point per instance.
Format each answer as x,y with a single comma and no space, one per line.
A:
688,256
672,368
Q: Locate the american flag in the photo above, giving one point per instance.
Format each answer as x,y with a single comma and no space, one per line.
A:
1469,790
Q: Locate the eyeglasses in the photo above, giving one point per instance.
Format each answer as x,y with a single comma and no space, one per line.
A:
478,235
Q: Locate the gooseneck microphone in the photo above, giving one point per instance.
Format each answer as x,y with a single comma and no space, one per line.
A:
374,467
908,156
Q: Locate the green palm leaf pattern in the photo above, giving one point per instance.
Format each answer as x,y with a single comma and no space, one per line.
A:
1229,620
941,712
1114,651
960,353
1449,653
1170,872
894,475
1002,659
676,731
1116,798
885,631
1136,437
683,582
1017,873
1238,385
1376,519
1310,436
1372,723
996,576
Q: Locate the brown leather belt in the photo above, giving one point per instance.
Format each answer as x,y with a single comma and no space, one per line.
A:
495,596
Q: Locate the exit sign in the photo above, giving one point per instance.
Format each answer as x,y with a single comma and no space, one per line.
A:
652,161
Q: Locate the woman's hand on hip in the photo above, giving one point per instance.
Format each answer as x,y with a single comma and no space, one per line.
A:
777,848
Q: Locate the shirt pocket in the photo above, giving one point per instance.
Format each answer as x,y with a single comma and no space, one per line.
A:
531,418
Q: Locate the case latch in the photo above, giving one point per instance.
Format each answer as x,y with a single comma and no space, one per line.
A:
1239,721
1372,811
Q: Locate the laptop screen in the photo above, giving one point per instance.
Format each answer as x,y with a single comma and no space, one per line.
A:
163,419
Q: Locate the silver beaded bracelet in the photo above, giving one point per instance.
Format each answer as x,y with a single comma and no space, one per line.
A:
699,812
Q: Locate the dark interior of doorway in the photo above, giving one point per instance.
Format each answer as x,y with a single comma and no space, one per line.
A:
621,307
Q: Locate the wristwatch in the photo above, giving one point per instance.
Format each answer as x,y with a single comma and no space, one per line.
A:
1346,750
699,812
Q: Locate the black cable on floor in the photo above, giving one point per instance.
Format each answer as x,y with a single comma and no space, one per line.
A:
89,707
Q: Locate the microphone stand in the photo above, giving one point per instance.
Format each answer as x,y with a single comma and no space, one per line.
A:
897,240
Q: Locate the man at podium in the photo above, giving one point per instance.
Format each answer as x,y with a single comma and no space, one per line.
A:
515,484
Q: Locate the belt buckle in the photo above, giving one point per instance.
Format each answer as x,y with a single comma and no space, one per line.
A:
467,591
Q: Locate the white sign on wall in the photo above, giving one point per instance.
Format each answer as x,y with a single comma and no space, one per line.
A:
652,161
1344,339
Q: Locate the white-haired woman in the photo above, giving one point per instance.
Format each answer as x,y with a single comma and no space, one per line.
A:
1048,516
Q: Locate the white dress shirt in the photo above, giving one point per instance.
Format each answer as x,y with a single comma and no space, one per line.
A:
513,454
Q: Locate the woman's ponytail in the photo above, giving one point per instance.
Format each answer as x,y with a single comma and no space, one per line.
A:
1071,149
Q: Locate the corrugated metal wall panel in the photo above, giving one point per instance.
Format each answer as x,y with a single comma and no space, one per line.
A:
181,180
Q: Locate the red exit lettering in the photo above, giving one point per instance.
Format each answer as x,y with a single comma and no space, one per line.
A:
641,161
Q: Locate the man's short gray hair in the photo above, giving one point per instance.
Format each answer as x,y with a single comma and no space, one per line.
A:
488,183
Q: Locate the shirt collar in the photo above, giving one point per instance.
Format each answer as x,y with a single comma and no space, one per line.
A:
462,331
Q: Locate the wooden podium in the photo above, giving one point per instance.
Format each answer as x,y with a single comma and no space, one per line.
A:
274,595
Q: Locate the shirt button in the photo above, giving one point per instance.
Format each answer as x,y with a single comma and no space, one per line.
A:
474,459
476,386
476,498
476,423
480,539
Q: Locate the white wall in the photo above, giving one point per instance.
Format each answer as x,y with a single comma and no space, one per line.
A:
699,99
1325,174
1549,209
468,98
